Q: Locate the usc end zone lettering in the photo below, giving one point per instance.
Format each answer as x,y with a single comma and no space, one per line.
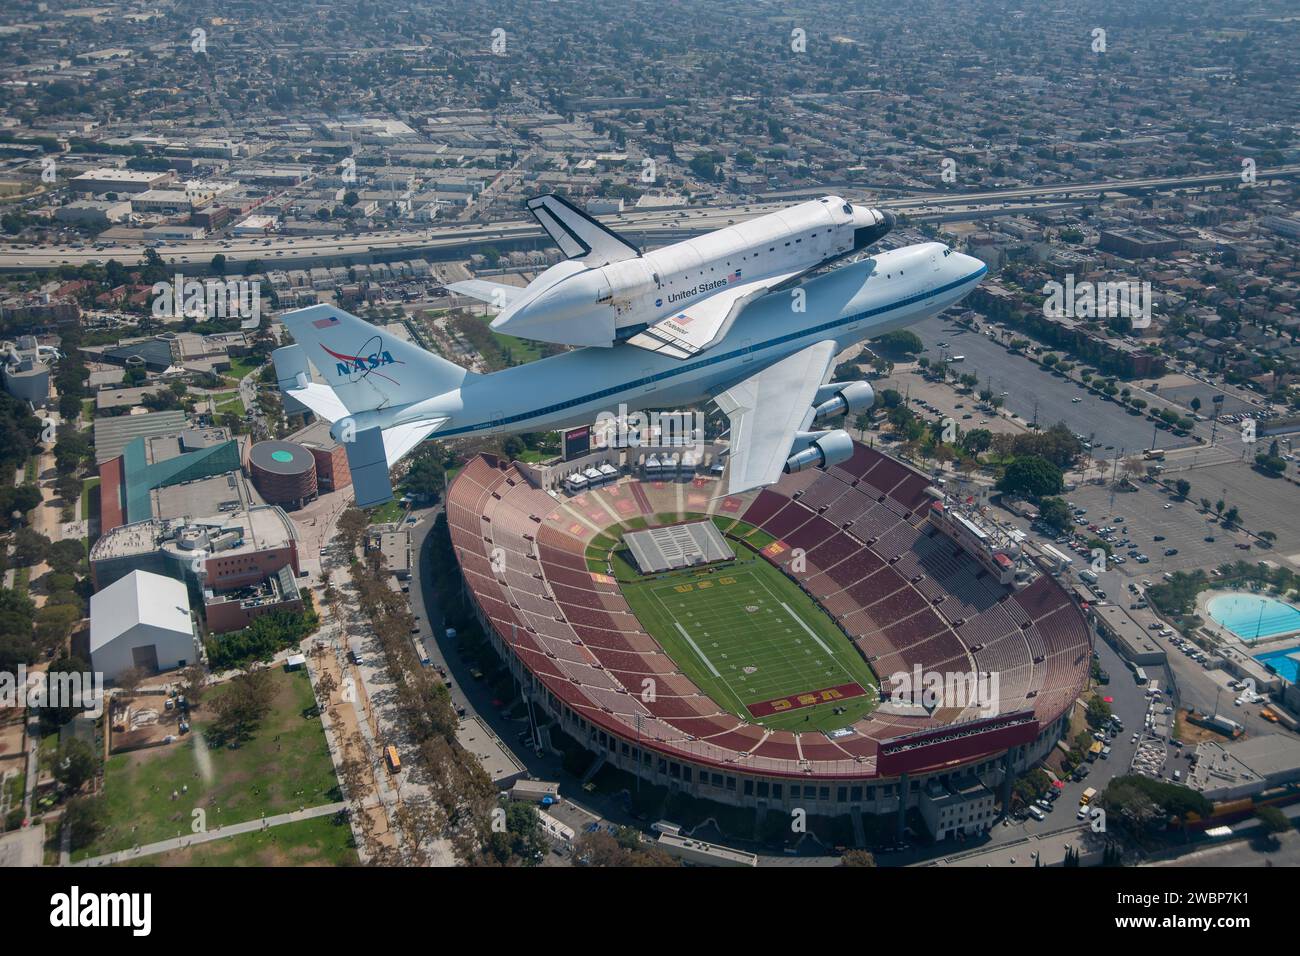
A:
826,695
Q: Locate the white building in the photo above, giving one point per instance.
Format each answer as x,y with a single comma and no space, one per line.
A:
141,620
256,226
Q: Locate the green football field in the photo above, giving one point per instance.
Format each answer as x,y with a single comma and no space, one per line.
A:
756,644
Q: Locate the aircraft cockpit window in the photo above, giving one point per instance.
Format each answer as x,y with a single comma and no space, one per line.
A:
848,209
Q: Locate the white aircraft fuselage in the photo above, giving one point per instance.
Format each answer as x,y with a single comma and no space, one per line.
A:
888,291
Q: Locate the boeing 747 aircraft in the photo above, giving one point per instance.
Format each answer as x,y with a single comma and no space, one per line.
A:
768,374
678,300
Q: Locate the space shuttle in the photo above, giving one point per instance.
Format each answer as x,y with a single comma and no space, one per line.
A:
678,300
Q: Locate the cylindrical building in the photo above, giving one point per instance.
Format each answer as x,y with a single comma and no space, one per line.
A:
284,473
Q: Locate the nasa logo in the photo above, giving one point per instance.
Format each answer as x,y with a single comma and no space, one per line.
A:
659,303
366,361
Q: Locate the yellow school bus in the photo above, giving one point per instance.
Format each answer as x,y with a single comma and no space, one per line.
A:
394,761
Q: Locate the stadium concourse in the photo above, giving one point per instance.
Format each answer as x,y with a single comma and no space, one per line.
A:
903,592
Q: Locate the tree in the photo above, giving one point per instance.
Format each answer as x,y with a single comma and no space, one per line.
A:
1055,513
66,556
1273,821
1182,486
74,764
1098,711
512,447
522,841
219,264
83,820
1033,477
857,858
192,686
977,441
30,547
900,342
244,703
352,527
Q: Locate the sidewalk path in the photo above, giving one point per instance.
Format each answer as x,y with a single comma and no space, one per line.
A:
180,843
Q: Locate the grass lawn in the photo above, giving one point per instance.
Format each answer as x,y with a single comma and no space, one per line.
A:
514,351
284,766
89,498
324,841
228,402
239,367
388,512
751,638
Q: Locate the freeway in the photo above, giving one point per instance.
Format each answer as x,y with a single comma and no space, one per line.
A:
651,225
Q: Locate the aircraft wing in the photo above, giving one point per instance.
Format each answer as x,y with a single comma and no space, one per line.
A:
577,234
496,294
698,326
767,409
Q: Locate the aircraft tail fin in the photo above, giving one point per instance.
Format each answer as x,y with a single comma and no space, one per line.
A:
366,366
577,234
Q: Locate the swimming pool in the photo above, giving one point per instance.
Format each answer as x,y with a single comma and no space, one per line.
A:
1282,662
1251,616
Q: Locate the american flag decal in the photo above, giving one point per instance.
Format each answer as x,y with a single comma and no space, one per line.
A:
734,277
683,319
326,323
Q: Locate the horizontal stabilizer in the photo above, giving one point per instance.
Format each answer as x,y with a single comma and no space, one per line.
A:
293,375
400,439
320,400
496,294
578,235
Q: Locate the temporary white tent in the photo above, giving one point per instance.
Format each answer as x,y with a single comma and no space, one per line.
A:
141,620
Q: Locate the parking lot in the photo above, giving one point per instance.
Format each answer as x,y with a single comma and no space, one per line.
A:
1155,521
1030,390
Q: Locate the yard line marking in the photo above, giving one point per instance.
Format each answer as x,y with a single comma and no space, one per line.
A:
695,647
789,610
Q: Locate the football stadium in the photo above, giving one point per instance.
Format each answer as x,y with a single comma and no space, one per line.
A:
748,649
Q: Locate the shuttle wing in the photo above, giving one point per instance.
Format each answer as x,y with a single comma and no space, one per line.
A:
578,235
698,326
767,409
496,294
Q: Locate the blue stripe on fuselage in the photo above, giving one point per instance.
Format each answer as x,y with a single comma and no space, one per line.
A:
710,360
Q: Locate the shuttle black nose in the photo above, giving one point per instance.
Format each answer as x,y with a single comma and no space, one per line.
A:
867,235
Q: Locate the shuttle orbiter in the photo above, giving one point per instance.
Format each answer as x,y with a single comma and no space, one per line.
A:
676,300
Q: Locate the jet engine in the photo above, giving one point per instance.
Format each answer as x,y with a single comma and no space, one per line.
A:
839,398
819,450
